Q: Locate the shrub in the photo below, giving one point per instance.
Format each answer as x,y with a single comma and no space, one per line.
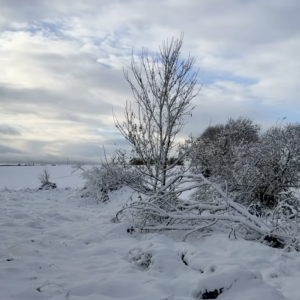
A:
109,176
98,182
44,178
256,167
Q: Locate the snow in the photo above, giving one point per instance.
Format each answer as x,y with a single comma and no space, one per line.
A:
22,177
56,245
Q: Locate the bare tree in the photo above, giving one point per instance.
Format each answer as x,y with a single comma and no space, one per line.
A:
163,86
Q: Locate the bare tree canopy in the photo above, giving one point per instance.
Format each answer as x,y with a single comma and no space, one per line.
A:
163,86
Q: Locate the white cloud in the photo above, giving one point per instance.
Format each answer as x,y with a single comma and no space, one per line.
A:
61,65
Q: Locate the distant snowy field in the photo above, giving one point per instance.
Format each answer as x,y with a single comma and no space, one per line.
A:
21,177
56,245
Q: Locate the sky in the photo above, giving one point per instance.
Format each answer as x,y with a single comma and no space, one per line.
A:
61,68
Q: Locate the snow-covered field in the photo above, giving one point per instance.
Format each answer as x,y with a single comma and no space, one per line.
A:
22,177
55,246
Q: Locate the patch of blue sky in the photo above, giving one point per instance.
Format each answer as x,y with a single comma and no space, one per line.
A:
97,41
280,113
52,28
47,28
111,43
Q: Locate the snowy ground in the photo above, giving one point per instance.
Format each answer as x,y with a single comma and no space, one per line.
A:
23,177
54,246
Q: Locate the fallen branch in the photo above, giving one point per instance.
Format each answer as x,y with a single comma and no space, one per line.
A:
166,211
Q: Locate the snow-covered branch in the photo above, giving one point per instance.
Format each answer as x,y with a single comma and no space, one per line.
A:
166,211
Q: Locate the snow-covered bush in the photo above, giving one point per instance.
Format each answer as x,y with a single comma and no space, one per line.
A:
98,182
140,258
109,176
277,162
257,167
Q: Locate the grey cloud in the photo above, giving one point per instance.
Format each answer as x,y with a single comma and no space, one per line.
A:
238,20
56,105
91,150
117,142
35,11
36,146
8,130
235,22
234,38
35,152
9,150
96,150
93,122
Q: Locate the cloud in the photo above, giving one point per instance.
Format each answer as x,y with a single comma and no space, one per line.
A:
9,150
8,130
61,66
